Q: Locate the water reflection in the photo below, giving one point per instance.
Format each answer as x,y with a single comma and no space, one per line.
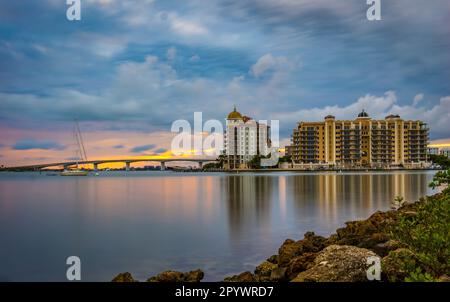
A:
248,201
262,200
149,222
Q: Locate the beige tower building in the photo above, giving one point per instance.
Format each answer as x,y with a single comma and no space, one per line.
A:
362,142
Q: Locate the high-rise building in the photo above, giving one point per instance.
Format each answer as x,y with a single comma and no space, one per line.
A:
363,142
244,138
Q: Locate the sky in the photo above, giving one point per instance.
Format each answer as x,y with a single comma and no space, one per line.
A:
128,69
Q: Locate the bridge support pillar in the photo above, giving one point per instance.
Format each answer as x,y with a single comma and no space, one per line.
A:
163,166
95,167
127,166
200,165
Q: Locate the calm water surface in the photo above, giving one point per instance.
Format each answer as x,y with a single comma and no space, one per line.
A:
148,222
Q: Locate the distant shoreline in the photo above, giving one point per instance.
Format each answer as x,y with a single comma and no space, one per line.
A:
241,171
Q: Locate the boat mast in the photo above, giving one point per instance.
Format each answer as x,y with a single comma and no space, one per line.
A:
81,151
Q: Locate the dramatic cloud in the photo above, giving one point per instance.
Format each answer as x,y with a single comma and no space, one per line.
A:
136,66
139,149
118,146
379,107
30,144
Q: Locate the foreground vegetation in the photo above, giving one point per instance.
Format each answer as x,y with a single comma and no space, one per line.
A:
425,233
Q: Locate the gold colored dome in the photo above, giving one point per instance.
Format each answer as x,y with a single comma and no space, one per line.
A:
234,115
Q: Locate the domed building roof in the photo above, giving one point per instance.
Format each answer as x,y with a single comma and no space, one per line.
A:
363,114
329,116
234,115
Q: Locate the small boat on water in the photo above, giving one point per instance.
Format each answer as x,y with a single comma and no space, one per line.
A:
81,154
75,172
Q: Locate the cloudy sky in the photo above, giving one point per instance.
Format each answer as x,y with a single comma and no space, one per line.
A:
128,69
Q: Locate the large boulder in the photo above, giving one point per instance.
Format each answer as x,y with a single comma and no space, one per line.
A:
338,263
124,277
174,276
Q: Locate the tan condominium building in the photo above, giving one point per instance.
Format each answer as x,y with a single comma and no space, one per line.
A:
363,142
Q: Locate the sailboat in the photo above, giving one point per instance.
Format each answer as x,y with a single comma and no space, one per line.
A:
81,153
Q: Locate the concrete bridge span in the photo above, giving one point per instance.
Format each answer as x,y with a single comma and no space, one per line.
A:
126,161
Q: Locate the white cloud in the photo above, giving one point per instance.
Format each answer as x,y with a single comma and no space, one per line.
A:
101,45
185,27
266,63
417,99
379,107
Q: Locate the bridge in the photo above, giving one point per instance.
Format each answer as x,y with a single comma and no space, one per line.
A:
127,161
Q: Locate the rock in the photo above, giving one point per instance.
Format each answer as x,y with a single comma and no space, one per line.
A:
168,276
396,265
278,274
124,277
243,277
290,248
264,269
194,276
317,243
367,233
273,259
338,263
383,249
299,264
174,276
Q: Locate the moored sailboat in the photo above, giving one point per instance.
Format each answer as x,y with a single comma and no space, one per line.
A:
81,153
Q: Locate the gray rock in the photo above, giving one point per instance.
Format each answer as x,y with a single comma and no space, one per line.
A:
338,263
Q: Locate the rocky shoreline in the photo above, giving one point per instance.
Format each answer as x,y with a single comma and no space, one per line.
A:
339,257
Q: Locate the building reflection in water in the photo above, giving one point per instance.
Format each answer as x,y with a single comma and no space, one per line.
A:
248,200
326,200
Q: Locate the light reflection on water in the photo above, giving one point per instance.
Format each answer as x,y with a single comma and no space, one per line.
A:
148,222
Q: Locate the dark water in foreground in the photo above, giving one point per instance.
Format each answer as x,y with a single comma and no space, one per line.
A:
148,222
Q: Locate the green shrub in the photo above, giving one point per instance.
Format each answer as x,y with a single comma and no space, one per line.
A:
441,178
426,233
419,276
